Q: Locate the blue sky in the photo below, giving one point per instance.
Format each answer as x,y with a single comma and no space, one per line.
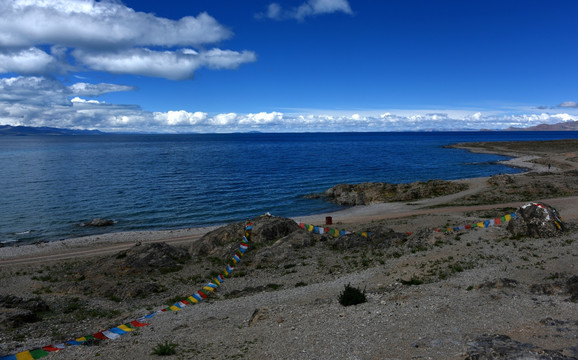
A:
303,65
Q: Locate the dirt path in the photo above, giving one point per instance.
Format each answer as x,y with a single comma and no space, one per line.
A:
72,253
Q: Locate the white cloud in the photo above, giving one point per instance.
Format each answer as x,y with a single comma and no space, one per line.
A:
27,61
173,65
181,118
307,9
316,7
40,101
33,90
87,89
108,36
226,59
91,24
83,101
224,119
261,118
570,104
274,11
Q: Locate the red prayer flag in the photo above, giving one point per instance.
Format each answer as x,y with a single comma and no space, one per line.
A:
100,335
50,348
137,324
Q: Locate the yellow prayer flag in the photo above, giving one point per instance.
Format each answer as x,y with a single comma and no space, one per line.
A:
124,327
24,355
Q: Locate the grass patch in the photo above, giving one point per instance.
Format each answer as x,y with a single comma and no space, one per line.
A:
165,349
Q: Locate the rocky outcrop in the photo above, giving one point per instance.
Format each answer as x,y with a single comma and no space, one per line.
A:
16,311
98,222
501,180
154,257
222,241
536,220
371,193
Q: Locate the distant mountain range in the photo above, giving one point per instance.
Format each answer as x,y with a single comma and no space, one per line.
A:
564,126
8,130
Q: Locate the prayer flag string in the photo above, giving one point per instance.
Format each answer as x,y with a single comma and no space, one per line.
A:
118,331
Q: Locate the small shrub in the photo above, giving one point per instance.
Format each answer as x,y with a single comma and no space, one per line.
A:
352,296
165,349
114,298
413,281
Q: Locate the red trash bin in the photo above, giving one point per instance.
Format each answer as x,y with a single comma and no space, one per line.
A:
328,220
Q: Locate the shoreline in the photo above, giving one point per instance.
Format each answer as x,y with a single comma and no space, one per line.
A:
354,214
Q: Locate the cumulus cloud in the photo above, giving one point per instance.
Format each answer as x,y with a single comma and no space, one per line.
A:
107,36
173,65
28,61
104,24
180,118
307,9
568,104
41,101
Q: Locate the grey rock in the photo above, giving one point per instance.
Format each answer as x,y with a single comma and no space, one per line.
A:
266,230
98,222
503,347
153,257
536,220
14,317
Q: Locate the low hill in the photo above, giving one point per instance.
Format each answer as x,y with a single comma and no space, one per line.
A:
564,126
8,130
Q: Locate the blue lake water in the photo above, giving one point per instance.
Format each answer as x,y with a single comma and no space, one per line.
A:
51,184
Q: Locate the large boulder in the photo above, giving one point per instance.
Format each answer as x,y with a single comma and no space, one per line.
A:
536,220
153,257
223,241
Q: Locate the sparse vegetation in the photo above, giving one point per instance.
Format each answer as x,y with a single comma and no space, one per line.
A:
352,296
414,280
168,348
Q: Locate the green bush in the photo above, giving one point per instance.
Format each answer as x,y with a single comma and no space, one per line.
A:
352,296
165,349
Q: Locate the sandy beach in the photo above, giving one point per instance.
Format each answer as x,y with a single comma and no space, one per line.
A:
455,295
